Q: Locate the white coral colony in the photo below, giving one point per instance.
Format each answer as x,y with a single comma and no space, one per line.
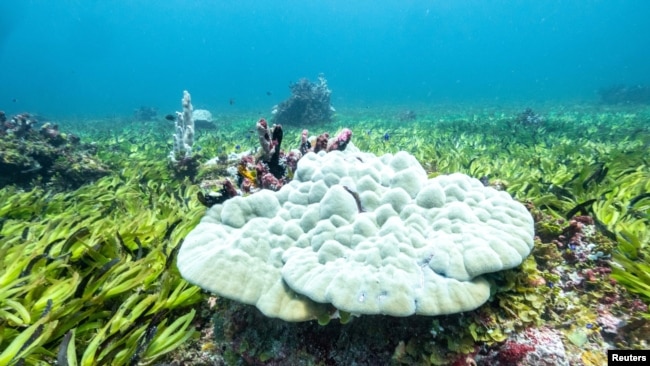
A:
364,234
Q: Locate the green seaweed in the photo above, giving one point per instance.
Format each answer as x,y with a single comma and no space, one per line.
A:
77,268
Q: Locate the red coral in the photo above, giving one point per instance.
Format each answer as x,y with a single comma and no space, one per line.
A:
228,189
247,186
271,182
586,220
341,141
638,305
321,142
575,231
291,160
589,275
512,353
247,160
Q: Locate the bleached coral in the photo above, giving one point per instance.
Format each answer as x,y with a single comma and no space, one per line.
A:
366,234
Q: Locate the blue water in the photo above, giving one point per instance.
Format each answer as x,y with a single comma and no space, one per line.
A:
98,58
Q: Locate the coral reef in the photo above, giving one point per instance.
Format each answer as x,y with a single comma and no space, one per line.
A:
32,156
529,118
202,118
625,94
309,104
560,306
583,178
358,232
534,346
270,168
537,316
145,114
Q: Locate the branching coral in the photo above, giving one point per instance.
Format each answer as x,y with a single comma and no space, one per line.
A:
309,104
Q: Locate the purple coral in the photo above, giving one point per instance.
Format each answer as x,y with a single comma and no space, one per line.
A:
341,141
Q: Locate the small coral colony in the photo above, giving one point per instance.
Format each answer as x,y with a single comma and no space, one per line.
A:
443,237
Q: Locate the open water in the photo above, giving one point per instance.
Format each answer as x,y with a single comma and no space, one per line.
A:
106,58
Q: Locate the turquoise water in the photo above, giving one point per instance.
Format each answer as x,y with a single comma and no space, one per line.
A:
100,58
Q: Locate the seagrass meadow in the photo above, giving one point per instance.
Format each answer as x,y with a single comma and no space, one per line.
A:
88,276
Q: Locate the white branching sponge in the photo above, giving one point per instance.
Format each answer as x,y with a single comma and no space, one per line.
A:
183,130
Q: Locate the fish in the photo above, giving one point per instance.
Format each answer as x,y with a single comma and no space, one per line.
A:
170,229
81,287
47,309
123,244
147,337
37,333
137,241
28,269
597,176
638,198
174,252
170,117
583,208
268,93
231,101
62,355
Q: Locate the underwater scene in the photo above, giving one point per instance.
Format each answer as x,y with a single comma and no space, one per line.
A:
324,183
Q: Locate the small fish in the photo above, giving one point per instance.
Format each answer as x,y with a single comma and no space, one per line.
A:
386,136
28,269
37,333
14,100
47,309
170,229
231,101
584,208
170,117
268,93
137,241
62,356
237,147
485,180
638,198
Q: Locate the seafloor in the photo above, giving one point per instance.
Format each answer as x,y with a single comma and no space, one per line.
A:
88,276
